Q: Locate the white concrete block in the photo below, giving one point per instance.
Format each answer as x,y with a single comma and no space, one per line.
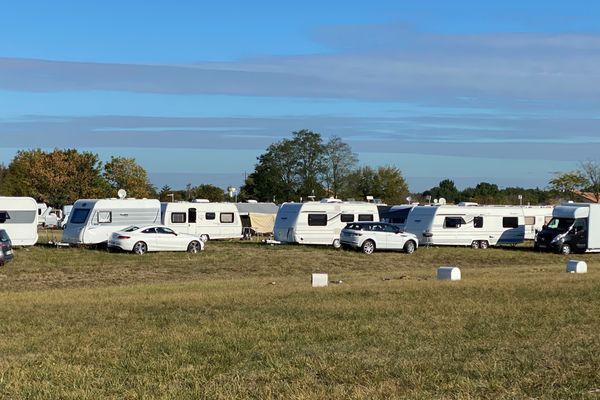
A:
319,280
576,267
448,273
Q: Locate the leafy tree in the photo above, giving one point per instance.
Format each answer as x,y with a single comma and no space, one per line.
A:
57,178
385,183
568,182
339,163
288,170
391,186
485,193
445,189
126,173
210,192
591,171
310,164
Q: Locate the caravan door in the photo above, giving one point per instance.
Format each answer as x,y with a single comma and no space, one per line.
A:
192,217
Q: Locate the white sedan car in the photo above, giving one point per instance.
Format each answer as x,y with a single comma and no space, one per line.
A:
140,239
369,236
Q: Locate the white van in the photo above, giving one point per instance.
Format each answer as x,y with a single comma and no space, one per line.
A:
475,226
319,222
202,219
19,218
93,220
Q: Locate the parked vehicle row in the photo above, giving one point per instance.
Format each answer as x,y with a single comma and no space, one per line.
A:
564,229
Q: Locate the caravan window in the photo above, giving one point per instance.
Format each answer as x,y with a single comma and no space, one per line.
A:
79,215
226,218
178,217
365,217
4,216
510,222
104,217
210,215
453,222
478,222
347,217
317,219
529,220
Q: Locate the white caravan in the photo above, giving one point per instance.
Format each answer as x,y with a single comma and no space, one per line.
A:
203,219
18,217
535,217
319,222
93,220
475,226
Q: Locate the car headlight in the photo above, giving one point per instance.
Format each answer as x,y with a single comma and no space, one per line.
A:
558,238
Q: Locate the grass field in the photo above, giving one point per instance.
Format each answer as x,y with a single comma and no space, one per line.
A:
240,320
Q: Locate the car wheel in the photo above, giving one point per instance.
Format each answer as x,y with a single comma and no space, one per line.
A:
565,249
336,244
484,244
204,237
409,247
368,247
474,244
140,248
194,247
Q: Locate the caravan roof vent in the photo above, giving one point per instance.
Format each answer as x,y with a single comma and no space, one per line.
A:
201,201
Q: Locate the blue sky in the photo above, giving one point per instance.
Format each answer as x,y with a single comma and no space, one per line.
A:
504,92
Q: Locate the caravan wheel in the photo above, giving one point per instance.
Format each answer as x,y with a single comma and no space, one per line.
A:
204,237
336,244
475,244
484,244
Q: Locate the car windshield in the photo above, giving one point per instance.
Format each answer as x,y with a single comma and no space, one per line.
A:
560,224
131,228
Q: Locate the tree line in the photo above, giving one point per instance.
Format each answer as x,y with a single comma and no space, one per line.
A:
300,168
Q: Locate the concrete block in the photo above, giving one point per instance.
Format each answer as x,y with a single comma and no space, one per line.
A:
448,273
319,280
576,267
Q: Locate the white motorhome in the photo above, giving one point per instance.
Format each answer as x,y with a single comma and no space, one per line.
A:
574,227
475,226
203,219
18,216
319,222
93,220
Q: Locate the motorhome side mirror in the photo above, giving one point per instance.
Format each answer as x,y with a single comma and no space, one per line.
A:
544,227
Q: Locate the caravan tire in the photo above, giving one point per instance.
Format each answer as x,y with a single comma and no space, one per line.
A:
204,237
336,244
368,247
475,244
194,247
484,244
140,248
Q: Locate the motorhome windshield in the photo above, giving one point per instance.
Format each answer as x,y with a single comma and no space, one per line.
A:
560,224
79,215
4,236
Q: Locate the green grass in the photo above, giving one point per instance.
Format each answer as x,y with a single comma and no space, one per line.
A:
240,320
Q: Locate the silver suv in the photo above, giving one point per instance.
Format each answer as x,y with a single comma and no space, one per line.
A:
369,236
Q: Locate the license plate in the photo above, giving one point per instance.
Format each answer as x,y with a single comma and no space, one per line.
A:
9,252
